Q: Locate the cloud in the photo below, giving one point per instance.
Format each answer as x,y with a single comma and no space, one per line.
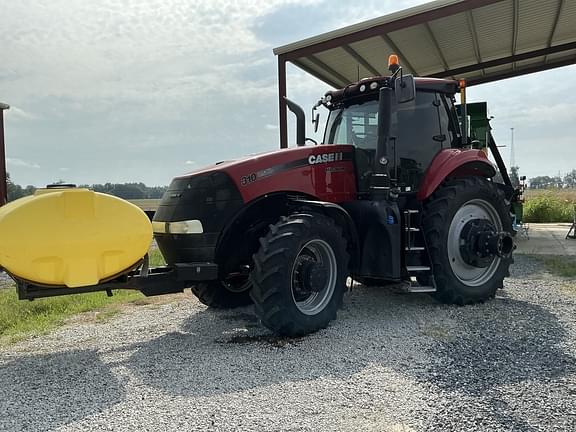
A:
135,90
21,163
15,113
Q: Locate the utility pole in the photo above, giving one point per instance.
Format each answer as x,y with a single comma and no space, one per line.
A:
3,176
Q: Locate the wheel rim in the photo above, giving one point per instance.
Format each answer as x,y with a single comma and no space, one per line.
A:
466,273
313,278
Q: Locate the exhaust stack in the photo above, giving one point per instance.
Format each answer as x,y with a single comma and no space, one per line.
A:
300,121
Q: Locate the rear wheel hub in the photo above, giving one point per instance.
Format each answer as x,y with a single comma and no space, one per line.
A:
474,245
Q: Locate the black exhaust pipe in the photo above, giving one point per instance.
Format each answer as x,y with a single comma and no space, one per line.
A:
300,121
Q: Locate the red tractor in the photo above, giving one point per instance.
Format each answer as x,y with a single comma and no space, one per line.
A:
396,193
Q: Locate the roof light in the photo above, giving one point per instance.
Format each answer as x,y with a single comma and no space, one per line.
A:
362,88
374,85
393,64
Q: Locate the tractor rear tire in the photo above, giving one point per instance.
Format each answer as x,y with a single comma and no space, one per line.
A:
214,294
457,201
299,276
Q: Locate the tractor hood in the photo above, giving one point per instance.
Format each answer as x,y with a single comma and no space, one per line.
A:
264,159
198,206
298,169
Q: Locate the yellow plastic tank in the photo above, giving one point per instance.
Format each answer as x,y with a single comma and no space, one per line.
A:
71,237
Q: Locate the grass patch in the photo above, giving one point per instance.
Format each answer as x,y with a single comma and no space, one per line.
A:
20,319
549,207
156,258
564,266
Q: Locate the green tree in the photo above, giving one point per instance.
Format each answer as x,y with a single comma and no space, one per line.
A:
570,179
14,191
514,178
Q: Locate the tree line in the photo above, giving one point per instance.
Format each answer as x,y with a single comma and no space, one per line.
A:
129,191
554,182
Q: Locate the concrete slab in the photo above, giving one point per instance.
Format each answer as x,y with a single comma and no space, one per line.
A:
546,239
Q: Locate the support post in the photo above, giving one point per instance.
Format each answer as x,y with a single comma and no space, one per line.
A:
3,175
282,102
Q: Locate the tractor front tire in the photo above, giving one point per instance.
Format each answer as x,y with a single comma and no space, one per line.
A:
454,204
214,294
299,276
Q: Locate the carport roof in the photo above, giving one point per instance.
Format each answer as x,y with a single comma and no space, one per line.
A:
479,40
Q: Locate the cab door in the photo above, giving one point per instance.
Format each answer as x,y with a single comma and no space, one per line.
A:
419,131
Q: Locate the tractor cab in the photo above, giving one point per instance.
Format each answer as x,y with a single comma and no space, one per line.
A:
419,127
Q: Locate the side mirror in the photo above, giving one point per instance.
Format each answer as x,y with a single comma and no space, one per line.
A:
316,122
316,118
405,89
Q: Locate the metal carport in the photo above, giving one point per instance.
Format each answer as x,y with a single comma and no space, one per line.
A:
478,40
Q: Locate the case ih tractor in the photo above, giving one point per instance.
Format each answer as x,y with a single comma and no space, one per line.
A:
396,193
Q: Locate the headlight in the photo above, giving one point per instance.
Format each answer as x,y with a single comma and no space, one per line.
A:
180,227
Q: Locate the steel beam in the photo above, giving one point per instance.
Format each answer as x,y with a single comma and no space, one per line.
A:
437,46
554,26
522,71
3,174
474,33
506,60
354,54
556,19
314,73
283,119
515,13
330,70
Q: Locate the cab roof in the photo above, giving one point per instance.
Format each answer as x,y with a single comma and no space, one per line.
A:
367,88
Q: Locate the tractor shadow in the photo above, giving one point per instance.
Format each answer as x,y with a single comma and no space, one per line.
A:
44,392
446,347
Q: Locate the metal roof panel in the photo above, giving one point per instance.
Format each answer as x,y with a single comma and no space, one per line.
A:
535,23
477,41
566,29
455,39
494,25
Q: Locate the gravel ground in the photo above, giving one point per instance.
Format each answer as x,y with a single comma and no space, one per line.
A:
391,362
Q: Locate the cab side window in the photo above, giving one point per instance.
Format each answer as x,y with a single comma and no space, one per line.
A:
421,131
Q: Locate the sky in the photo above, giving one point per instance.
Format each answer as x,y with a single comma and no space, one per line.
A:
144,90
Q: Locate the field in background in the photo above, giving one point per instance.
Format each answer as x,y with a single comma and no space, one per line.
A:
549,205
146,204
20,319
562,194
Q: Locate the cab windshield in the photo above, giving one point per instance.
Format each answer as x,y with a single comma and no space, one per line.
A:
355,124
